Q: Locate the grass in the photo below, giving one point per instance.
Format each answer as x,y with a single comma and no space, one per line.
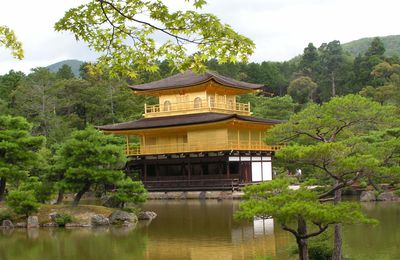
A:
80,214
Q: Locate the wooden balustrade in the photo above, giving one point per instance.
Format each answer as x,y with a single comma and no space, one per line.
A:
199,106
200,146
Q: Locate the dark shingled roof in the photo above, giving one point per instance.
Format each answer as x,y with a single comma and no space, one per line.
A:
190,119
189,78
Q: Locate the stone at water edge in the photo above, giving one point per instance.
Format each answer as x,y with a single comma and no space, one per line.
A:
75,225
147,215
32,222
20,225
50,224
120,217
53,216
367,196
7,224
99,220
387,196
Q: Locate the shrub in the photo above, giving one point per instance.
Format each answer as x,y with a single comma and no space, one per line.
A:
363,184
319,248
63,219
397,192
6,214
129,191
133,210
22,202
41,190
320,251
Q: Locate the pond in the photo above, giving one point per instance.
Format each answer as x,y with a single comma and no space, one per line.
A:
196,229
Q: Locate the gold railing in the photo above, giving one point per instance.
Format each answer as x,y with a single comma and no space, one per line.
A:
199,147
199,106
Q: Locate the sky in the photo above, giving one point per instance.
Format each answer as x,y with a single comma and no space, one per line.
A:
281,29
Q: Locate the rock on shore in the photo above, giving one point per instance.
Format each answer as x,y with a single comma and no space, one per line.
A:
120,217
99,220
367,196
147,215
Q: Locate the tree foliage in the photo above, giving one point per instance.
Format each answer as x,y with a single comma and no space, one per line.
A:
90,157
321,138
22,202
10,41
134,34
17,150
294,210
41,190
129,191
302,89
275,107
65,72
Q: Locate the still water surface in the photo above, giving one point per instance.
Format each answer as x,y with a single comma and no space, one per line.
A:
195,230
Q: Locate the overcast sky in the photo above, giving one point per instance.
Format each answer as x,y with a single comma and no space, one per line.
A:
280,28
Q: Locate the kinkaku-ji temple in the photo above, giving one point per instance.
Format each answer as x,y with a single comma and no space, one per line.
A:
198,137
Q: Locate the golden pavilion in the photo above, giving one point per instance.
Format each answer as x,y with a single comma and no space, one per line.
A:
197,137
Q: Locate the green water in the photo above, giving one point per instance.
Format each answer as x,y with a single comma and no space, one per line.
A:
195,230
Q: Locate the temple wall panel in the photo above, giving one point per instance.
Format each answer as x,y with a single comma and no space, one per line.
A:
219,135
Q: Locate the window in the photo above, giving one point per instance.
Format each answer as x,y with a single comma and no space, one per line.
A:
167,106
197,102
230,104
212,101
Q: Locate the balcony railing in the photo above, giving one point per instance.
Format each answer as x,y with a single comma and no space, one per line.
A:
201,146
197,106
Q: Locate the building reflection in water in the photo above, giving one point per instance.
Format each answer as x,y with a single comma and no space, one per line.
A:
206,230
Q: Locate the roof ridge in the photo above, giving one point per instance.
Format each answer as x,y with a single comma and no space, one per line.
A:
189,78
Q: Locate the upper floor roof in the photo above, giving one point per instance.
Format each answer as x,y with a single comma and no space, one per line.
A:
189,79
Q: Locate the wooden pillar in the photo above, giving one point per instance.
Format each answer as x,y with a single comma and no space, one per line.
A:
249,138
143,148
238,138
189,169
157,170
201,168
227,169
183,169
226,104
145,172
127,144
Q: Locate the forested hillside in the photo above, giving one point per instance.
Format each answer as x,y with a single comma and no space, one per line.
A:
74,64
360,46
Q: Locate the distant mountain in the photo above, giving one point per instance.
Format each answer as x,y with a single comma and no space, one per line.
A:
392,45
74,64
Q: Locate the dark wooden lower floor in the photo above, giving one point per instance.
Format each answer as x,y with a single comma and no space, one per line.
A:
199,171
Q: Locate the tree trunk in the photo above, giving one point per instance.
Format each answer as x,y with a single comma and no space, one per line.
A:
301,242
2,188
80,194
337,245
60,196
376,187
333,84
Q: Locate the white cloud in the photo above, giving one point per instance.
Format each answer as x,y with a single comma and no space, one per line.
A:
280,28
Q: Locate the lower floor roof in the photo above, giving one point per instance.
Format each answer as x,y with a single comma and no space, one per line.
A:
182,120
